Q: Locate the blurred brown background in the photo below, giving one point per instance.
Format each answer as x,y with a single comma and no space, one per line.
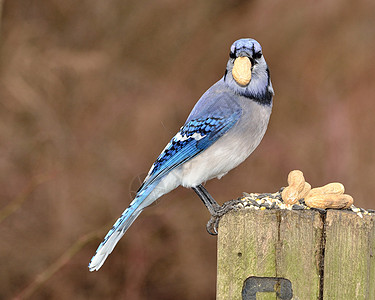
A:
91,91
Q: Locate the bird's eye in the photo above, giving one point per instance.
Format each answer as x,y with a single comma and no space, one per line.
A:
257,55
232,55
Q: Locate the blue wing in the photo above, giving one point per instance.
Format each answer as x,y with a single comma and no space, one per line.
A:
193,138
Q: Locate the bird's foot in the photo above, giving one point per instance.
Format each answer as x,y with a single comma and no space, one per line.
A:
213,224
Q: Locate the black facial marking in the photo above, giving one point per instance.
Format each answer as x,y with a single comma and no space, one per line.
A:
264,98
258,55
269,76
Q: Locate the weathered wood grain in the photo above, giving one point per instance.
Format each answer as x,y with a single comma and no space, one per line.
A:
247,246
349,262
269,243
299,252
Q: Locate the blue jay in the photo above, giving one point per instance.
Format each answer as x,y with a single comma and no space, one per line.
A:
223,129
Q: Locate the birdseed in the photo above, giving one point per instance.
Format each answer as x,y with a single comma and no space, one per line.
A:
263,201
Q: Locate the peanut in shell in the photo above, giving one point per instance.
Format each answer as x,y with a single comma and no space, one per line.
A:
296,180
241,71
330,188
329,201
292,193
305,191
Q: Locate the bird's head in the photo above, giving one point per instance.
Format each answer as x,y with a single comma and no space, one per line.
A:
247,71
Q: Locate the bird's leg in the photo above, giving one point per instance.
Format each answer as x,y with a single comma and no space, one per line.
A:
214,208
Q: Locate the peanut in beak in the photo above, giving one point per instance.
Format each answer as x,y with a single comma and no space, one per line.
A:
242,70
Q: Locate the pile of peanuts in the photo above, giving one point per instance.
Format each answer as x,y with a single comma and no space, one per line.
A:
328,196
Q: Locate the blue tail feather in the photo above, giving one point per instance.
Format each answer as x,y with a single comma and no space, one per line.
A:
118,229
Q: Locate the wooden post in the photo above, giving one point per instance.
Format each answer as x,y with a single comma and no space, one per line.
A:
296,254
